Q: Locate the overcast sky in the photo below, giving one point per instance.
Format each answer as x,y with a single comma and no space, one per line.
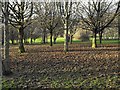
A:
58,0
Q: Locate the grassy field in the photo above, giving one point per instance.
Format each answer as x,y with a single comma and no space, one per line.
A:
60,40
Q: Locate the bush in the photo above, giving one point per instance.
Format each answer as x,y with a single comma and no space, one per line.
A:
84,37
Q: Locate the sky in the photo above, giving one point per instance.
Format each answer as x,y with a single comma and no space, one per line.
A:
57,0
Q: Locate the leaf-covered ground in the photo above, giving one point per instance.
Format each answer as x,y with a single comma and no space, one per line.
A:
43,66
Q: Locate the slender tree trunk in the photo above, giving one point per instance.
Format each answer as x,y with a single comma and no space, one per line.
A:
66,36
71,39
51,34
12,37
34,40
31,37
2,35
44,40
17,41
12,41
25,40
119,26
100,36
6,62
21,44
31,40
94,41
44,37
1,26
55,38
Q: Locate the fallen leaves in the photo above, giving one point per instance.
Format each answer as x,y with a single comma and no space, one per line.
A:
45,66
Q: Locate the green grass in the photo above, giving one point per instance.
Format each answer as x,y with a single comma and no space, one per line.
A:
60,40
38,40
109,41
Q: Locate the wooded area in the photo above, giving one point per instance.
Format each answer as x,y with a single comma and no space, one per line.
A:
60,44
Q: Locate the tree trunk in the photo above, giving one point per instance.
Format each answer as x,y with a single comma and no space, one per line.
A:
12,37
34,40
2,35
94,41
100,36
66,36
12,41
21,44
6,61
119,26
25,41
55,38
17,41
31,40
44,37
71,39
51,34
0,67
44,40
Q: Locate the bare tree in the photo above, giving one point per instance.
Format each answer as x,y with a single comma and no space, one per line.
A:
13,34
41,10
65,10
20,15
48,15
97,16
58,30
52,20
6,61
74,23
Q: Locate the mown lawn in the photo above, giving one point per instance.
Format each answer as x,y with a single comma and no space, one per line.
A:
60,40
43,66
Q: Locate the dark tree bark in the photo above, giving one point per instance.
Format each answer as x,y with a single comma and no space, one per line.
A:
55,38
12,37
2,35
51,34
6,61
21,37
119,26
44,36
12,40
71,39
25,41
34,40
31,40
100,36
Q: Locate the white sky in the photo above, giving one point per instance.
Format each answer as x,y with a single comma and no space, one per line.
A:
57,0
